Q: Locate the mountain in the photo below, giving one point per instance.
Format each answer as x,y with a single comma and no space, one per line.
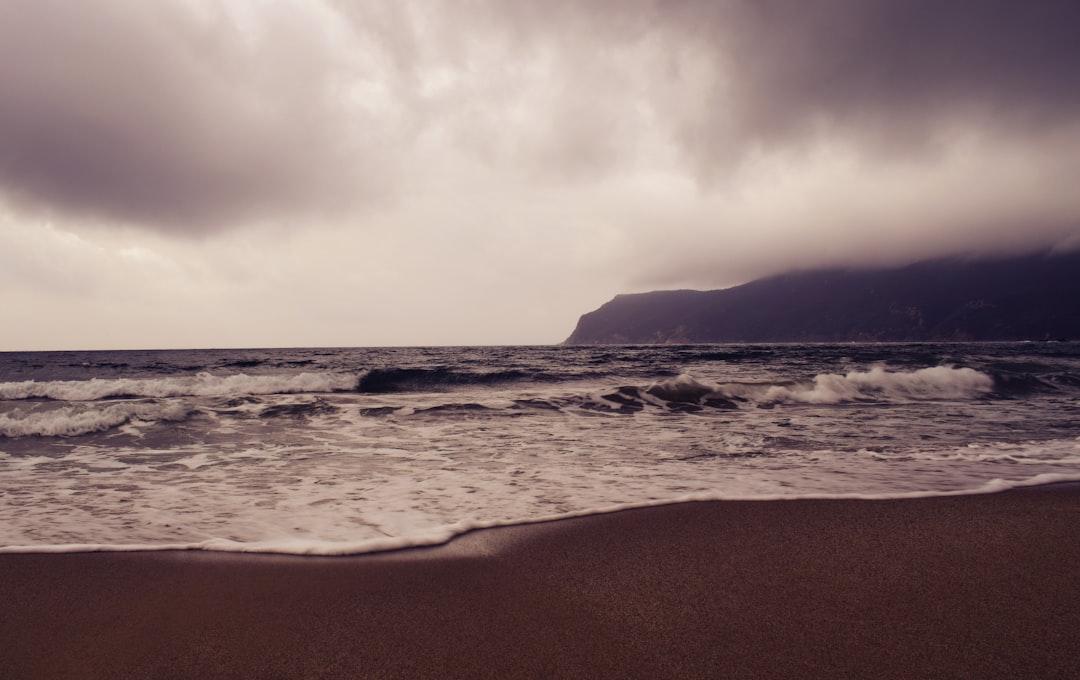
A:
1034,297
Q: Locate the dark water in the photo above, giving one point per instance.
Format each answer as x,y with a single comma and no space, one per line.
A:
344,450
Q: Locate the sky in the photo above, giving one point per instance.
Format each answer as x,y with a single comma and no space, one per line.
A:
280,173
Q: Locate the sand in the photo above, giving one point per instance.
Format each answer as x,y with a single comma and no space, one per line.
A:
975,586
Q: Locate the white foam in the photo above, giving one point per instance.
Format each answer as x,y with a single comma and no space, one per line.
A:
938,382
439,535
201,384
877,384
71,421
351,483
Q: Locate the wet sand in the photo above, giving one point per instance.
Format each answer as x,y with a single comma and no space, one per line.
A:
976,586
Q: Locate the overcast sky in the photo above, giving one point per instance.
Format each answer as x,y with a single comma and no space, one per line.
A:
188,173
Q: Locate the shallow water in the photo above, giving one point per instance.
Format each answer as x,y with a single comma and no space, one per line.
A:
349,450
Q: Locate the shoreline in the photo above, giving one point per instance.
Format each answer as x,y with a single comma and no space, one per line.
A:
441,536
942,586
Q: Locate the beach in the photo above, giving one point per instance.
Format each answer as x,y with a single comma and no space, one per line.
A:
958,586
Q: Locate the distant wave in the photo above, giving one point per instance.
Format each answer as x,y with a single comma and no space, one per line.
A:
71,421
386,380
689,394
202,384
89,417
1017,384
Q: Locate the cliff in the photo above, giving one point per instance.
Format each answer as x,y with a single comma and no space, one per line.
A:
1034,297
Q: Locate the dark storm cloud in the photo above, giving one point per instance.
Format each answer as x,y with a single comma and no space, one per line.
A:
179,118
888,74
525,159
954,125
152,113
724,78
891,72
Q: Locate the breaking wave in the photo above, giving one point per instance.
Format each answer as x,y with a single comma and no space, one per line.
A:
71,421
687,393
877,384
202,385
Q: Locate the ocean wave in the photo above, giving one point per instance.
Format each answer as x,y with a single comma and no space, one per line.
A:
689,393
202,384
301,411
877,384
386,380
72,421
1018,384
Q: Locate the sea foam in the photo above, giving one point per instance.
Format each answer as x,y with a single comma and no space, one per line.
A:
251,456
430,536
876,385
71,421
938,382
201,384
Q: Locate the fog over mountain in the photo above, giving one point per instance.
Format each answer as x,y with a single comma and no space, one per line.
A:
352,172
999,299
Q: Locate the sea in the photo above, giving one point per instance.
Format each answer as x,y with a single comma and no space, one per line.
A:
345,451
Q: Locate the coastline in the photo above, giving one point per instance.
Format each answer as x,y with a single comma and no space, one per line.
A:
982,585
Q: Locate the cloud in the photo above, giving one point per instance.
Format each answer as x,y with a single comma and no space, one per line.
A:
177,116
195,116
456,171
729,77
833,206
891,73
